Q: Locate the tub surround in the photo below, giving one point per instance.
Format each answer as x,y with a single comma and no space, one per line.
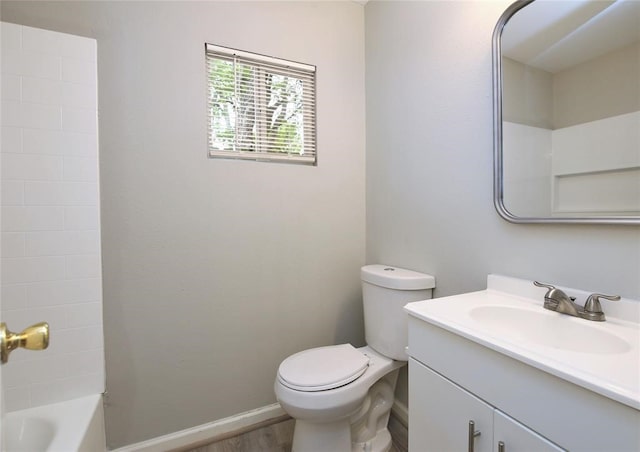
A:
51,255
570,172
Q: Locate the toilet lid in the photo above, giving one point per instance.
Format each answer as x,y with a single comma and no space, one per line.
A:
323,368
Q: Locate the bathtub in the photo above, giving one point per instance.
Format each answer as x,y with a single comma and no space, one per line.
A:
73,426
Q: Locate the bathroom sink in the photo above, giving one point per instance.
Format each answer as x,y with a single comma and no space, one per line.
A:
509,318
548,329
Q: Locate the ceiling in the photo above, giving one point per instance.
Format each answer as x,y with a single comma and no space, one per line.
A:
554,35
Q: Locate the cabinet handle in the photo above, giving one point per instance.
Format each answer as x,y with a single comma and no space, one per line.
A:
501,447
472,434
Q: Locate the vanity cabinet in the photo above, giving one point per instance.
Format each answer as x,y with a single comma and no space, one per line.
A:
517,437
453,379
441,416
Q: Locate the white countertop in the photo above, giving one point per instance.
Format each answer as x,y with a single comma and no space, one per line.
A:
613,372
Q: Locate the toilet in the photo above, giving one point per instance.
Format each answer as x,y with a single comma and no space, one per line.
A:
341,396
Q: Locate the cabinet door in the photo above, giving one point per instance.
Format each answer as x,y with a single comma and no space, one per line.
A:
440,413
518,438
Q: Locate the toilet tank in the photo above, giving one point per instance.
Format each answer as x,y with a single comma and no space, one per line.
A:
385,291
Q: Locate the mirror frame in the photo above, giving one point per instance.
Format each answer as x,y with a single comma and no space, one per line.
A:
498,177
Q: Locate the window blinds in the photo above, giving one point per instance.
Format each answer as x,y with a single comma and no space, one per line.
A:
260,107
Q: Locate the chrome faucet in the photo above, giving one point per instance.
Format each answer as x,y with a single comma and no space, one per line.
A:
557,300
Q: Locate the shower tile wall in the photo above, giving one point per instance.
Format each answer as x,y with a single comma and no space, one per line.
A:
51,267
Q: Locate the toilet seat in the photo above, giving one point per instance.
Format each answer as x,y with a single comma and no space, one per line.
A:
322,368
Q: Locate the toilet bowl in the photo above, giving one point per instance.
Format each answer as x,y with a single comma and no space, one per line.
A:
341,396
338,402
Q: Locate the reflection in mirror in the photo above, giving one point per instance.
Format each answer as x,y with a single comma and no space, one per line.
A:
567,82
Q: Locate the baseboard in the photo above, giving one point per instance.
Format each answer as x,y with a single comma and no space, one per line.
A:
401,412
210,432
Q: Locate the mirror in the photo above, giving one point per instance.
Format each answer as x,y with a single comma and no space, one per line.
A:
567,112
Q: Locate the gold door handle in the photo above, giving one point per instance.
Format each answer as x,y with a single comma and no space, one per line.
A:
35,337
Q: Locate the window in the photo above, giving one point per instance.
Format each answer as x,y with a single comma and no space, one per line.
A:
259,107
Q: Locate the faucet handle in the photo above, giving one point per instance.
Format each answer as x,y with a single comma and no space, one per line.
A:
593,302
539,284
553,295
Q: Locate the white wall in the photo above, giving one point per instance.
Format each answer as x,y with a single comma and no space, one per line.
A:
216,270
51,268
429,163
189,338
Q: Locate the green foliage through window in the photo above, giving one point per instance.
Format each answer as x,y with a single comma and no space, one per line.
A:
260,108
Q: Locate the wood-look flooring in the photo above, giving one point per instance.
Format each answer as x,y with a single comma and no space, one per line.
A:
278,438
272,438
